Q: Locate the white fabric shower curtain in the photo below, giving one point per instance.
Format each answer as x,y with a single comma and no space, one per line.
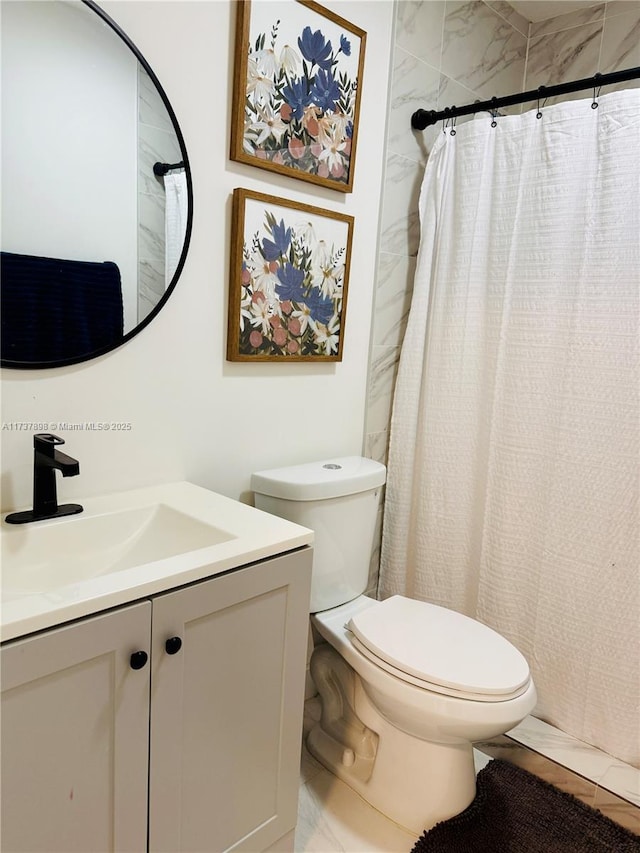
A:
175,220
512,491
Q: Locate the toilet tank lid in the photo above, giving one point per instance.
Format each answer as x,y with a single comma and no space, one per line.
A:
328,478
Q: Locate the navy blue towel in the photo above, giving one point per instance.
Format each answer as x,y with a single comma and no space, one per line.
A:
55,310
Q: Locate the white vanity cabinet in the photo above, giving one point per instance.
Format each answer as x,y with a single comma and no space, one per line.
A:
74,748
226,709
207,731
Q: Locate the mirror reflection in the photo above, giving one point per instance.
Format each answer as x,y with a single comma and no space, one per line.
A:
92,238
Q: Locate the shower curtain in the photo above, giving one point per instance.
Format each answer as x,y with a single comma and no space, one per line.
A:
175,220
513,473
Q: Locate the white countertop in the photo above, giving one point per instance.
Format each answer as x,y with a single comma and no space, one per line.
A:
250,535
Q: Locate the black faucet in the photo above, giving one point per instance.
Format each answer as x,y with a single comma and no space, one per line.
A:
46,459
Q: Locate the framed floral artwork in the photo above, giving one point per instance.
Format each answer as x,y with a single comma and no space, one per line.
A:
288,280
297,84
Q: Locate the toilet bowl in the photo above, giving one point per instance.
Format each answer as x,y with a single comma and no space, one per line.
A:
406,686
415,762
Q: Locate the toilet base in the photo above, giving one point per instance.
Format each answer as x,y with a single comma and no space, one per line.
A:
414,782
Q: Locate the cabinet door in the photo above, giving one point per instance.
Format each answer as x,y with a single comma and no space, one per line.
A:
75,737
226,710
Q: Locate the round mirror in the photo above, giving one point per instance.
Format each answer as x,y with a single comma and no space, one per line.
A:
96,198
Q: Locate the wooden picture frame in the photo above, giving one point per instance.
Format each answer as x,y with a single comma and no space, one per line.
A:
289,275
296,91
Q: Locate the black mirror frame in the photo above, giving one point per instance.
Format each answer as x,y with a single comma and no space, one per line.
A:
143,323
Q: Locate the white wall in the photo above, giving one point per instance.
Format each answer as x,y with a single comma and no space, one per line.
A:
69,119
194,415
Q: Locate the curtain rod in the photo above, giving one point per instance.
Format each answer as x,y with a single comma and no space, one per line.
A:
425,118
161,169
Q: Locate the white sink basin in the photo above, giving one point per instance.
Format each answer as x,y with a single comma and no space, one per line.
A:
126,546
77,548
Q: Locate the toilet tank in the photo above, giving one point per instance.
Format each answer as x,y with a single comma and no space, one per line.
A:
338,499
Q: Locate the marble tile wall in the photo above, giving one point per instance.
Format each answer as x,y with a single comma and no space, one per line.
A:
604,37
454,52
157,142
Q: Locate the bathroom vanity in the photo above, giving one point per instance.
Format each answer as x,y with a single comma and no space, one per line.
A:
154,705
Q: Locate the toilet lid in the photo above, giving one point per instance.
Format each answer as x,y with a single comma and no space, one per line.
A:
441,647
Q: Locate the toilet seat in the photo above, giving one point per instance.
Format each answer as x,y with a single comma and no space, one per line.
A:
439,650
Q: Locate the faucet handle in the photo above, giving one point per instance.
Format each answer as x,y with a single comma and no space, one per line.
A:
46,441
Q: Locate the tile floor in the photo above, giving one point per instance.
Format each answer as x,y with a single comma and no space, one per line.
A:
334,819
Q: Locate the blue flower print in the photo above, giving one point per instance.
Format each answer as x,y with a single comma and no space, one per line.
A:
315,49
325,91
276,248
291,278
297,96
320,307
345,45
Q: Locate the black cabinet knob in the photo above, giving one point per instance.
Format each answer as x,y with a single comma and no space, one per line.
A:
138,660
173,645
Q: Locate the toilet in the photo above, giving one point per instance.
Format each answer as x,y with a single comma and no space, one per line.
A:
406,687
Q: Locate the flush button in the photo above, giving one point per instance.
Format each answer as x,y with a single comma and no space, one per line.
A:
332,466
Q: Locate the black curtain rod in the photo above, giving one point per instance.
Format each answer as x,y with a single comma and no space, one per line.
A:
425,118
161,169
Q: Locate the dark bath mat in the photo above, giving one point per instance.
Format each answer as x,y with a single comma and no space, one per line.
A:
516,812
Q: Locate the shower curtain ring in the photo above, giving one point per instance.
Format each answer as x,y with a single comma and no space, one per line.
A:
494,113
596,91
540,94
452,132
